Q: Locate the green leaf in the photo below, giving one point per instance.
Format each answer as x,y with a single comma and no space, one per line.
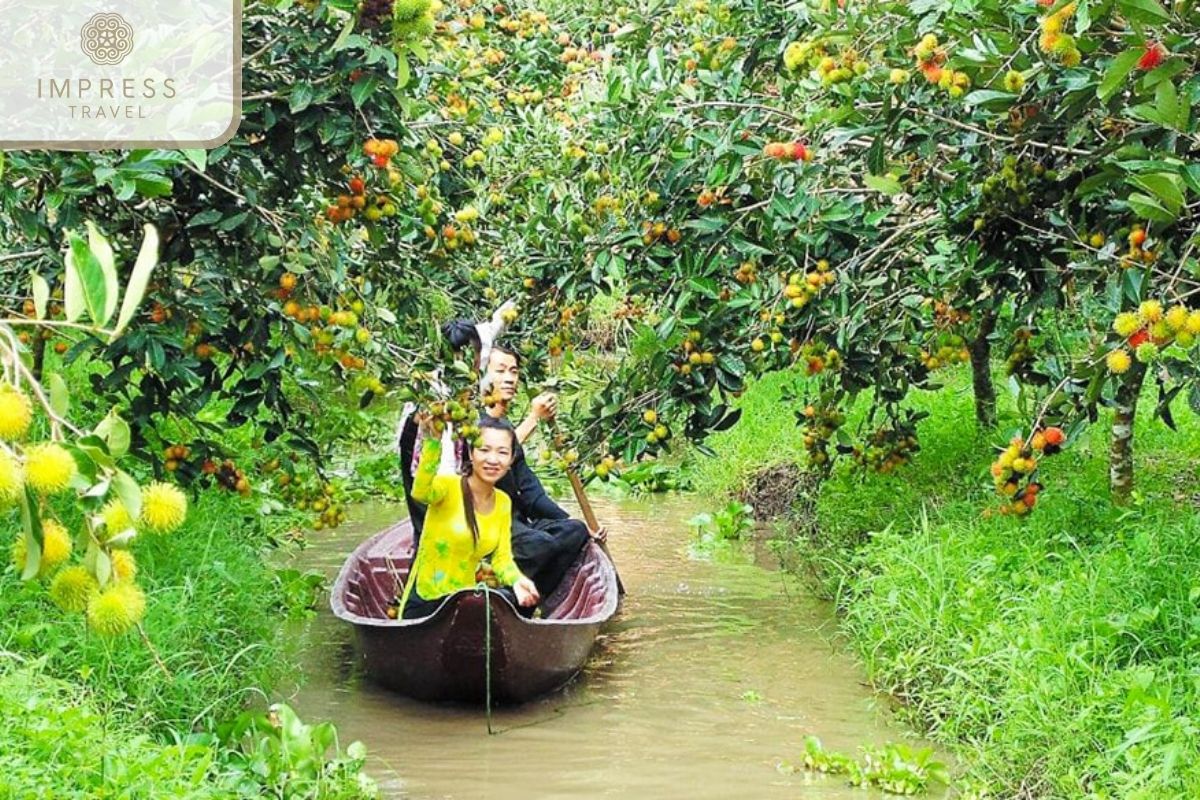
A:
1146,12
115,432
1147,207
362,89
883,183
301,97
1167,100
199,158
1118,70
139,279
402,71
32,525
103,567
85,282
990,99
60,395
103,252
41,294
129,492
1165,188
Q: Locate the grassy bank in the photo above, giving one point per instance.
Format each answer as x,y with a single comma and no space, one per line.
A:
1055,654
86,716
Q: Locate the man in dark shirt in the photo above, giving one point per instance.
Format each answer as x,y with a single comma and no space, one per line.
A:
546,541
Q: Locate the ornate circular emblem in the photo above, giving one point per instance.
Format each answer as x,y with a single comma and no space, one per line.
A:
106,39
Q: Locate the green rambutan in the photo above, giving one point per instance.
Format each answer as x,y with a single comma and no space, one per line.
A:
116,609
72,589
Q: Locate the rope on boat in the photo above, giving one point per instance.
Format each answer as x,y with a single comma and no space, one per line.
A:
487,656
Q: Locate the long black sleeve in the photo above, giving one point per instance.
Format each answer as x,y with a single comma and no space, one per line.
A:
408,441
530,500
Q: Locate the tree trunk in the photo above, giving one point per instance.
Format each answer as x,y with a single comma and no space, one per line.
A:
981,372
1120,461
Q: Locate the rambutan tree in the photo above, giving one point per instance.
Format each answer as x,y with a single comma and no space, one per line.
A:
45,457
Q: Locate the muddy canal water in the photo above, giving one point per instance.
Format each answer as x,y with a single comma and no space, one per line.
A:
705,684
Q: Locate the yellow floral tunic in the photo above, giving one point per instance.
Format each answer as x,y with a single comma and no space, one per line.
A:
447,555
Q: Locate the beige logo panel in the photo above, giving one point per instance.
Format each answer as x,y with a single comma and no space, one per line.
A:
101,74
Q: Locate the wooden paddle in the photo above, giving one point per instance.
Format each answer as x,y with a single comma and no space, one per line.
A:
589,516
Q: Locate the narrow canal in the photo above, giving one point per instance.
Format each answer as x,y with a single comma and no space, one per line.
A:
706,683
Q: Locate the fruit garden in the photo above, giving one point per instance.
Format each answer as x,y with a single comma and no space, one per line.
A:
870,204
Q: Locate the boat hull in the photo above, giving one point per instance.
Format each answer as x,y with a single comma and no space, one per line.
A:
448,655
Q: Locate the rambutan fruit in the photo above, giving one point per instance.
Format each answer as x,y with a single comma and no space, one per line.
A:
1126,323
12,478
1014,81
1147,352
49,468
72,589
1150,311
116,609
1054,436
1154,55
16,413
1118,361
1176,318
116,517
164,506
124,565
1193,323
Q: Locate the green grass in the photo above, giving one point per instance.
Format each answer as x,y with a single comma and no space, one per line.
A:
212,605
1057,655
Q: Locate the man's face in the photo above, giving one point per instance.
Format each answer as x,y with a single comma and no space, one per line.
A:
502,369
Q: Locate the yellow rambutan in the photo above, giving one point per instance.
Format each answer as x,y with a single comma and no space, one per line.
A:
16,412
56,544
1126,323
1118,361
1150,311
1193,323
12,478
72,588
49,468
56,547
116,518
164,506
1176,318
116,609
124,565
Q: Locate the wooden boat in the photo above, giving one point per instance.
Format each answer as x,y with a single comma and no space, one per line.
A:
443,656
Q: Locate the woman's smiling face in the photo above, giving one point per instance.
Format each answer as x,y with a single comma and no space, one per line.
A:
493,455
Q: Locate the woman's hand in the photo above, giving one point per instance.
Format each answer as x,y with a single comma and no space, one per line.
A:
427,425
526,592
544,406
600,535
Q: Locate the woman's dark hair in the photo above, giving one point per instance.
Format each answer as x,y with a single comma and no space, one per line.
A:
485,423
